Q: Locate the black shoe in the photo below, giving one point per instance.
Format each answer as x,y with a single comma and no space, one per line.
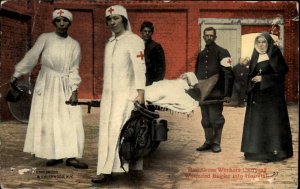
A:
53,162
137,174
216,148
102,178
204,147
77,164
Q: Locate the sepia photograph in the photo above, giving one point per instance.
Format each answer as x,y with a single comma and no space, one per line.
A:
149,94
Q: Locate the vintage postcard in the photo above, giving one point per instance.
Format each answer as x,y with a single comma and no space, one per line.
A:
219,80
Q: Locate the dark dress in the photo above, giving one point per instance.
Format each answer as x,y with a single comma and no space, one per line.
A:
267,132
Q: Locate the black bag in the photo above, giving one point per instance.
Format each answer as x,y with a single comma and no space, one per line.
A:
141,135
135,138
159,130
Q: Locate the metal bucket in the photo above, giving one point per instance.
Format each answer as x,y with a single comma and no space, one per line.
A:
21,108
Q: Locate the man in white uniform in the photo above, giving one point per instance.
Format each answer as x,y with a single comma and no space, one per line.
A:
124,83
55,130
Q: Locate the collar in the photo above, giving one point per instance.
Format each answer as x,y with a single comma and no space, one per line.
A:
149,41
211,45
126,33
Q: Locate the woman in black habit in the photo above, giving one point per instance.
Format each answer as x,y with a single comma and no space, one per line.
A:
267,133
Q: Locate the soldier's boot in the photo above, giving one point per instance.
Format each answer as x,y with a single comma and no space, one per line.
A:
216,143
208,140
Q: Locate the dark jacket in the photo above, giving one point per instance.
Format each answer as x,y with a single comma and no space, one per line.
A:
208,64
155,62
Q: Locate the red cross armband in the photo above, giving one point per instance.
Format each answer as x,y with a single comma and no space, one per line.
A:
141,56
226,62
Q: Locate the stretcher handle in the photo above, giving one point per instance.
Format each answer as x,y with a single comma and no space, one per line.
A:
208,102
90,104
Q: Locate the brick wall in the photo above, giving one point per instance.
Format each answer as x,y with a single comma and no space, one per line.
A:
20,25
14,43
170,31
176,28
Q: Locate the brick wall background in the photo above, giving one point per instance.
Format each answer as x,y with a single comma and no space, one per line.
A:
176,28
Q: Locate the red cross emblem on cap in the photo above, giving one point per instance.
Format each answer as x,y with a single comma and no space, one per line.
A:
141,55
60,12
111,10
229,61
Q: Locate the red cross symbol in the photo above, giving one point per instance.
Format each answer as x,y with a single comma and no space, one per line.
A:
60,12
110,10
140,55
229,61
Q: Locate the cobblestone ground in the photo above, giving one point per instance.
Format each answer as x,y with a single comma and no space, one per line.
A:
174,165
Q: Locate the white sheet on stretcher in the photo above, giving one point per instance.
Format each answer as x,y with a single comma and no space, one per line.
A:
171,94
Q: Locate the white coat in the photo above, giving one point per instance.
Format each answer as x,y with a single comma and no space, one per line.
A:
124,73
55,130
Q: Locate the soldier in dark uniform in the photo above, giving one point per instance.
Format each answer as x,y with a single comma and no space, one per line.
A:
154,55
155,62
214,60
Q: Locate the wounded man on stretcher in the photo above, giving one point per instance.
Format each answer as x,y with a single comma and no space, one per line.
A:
183,94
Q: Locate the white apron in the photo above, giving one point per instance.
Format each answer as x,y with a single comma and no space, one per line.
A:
124,73
55,130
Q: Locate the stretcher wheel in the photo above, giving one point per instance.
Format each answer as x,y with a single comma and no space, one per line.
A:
21,108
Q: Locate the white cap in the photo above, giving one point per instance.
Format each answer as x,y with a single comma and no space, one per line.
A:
62,12
118,10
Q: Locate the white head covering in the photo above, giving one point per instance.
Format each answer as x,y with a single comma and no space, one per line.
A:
263,56
62,12
260,51
119,10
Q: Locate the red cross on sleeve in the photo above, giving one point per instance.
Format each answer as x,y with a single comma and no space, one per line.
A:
229,61
141,55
